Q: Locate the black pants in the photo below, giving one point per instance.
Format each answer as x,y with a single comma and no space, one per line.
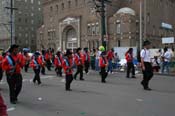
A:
79,70
43,70
1,74
147,74
58,71
130,66
69,79
15,85
37,76
86,66
26,67
103,74
48,64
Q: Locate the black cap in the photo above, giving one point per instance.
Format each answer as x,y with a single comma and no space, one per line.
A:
145,43
68,52
12,47
78,49
37,53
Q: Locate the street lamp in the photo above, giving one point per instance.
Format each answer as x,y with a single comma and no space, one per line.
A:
100,7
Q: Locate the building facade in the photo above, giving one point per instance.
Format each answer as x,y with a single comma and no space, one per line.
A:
75,23
4,25
28,18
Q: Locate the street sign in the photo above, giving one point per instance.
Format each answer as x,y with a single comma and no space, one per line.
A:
167,40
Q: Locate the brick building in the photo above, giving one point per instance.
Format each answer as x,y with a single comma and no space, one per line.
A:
74,23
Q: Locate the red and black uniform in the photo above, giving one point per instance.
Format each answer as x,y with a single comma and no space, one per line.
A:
86,61
42,59
58,65
79,61
103,63
36,65
130,65
27,61
48,57
67,66
3,107
1,71
12,64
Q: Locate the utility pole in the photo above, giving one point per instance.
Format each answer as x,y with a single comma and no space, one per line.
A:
101,9
11,8
141,32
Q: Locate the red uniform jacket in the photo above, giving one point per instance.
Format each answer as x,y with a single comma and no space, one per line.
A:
36,64
48,56
103,62
3,107
67,66
79,59
86,56
58,61
8,66
42,59
1,58
129,57
110,55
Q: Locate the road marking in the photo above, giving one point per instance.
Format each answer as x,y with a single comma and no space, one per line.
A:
46,77
25,80
63,80
139,100
40,98
10,109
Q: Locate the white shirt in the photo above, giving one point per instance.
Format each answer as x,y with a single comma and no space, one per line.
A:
145,54
167,56
98,54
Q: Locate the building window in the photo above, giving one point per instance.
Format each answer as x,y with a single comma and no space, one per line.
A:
93,29
148,18
51,9
119,44
89,29
19,20
32,14
57,7
32,21
76,2
26,20
118,28
62,5
32,1
69,4
39,3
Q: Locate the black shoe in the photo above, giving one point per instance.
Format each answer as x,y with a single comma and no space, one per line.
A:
133,77
127,77
81,79
103,81
142,83
75,78
68,89
13,102
148,89
34,82
16,99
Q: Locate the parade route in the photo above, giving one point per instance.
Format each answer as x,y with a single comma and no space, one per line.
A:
118,97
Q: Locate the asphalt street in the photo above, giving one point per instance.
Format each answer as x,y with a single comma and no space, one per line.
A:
118,97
